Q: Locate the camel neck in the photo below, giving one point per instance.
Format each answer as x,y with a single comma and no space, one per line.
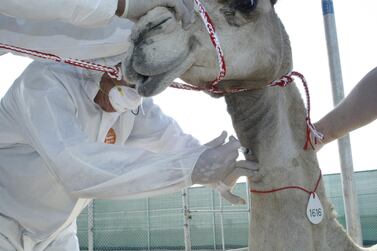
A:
271,122
262,123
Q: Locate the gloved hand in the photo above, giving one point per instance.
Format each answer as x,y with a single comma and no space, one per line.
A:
217,167
184,9
243,168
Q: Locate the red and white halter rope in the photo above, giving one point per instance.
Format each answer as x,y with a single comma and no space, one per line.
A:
215,41
113,72
220,54
310,128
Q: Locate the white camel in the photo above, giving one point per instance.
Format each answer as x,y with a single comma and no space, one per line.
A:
268,120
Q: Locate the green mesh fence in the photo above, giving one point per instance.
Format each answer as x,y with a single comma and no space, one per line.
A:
366,186
158,223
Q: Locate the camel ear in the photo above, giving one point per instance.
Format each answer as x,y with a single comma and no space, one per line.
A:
273,2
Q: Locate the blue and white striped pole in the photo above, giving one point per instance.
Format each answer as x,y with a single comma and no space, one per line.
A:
351,208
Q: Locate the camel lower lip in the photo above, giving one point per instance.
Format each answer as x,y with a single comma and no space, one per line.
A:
151,85
143,87
148,87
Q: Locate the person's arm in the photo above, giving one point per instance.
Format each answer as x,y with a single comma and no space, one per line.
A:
121,7
66,40
356,110
159,133
156,132
92,13
87,169
83,13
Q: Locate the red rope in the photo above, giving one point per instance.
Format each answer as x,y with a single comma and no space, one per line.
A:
290,187
310,128
216,43
113,72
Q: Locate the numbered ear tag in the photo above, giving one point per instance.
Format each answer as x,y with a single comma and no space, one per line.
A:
314,210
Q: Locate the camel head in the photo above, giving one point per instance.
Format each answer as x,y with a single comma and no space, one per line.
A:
255,45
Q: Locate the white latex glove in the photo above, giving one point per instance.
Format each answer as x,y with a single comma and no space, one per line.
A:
184,9
217,167
243,168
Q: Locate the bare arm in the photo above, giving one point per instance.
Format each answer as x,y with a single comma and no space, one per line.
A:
120,8
356,110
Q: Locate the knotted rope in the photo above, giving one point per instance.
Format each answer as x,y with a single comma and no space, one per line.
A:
113,72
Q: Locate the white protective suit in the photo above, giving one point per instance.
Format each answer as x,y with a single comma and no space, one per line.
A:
77,12
64,39
53,160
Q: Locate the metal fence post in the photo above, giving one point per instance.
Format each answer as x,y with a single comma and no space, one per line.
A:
248,201
222,222
148,226
187,217
91,226
351,208
213,219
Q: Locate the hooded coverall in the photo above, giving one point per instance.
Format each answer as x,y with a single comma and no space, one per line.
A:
54,161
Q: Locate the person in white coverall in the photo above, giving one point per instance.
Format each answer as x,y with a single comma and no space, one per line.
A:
68,135
79,29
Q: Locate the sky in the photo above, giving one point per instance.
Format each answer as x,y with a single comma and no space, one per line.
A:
205,117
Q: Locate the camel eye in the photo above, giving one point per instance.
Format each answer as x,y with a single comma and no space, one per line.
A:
244,6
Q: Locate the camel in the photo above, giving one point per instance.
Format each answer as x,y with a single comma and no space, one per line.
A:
270,121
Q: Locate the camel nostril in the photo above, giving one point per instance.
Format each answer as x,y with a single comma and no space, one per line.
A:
143,78
149,29
157,26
